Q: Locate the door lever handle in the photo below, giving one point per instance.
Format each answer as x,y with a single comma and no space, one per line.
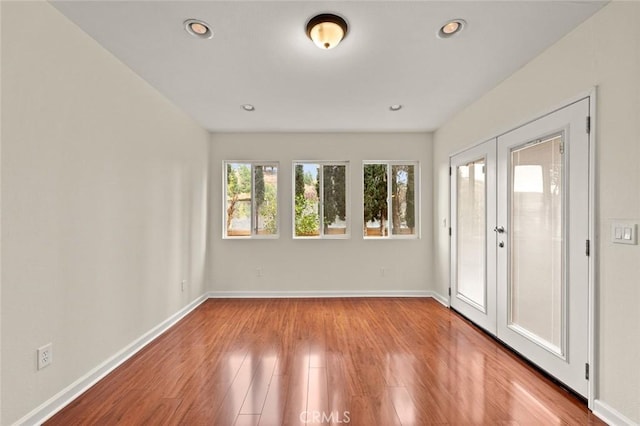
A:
499,229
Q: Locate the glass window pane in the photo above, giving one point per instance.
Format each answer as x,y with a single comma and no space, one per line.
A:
266,199
307,201
403,216
536,276
471,232
238,199
334,199
375,200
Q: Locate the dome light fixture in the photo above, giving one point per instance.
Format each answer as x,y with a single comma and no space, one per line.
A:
451,28
395,107
198,28
327,30
248,107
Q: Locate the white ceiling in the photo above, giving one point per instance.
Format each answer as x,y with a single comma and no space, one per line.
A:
260,54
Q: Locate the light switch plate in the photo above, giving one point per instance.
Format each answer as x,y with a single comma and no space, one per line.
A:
624,232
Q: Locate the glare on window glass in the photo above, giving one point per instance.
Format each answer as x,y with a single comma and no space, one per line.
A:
334,199
307,200
403,199
375,200
238,199
266,200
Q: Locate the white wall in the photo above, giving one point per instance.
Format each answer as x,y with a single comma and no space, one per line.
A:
103,205
327,265
604,51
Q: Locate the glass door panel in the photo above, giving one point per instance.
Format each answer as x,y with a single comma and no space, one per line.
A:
537,257
471,236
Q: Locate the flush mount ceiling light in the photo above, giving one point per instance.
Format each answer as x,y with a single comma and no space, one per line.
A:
451,28
395,107
248,107
198,28
327,30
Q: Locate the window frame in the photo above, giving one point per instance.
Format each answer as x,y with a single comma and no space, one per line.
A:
347,189
253,231
417,200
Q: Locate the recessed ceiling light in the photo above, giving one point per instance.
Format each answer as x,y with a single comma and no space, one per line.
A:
198,28
451,28
248,107
395,107
327,30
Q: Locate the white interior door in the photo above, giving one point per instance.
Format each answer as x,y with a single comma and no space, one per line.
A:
473,216
543,270
520,224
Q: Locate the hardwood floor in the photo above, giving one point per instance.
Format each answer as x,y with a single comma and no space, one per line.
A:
324,361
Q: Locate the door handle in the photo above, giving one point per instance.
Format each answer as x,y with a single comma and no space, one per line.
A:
501,244
499,229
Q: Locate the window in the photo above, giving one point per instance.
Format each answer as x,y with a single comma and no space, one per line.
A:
250,199
320,207
389,191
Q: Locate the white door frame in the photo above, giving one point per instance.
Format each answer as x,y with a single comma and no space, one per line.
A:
592,334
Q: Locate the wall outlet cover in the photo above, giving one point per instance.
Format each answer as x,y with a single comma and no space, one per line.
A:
45,356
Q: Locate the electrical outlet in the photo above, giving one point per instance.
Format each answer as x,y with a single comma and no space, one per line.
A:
183,284
382,272
258,272
45,356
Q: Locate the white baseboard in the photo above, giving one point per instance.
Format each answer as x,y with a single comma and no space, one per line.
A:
444,301
47,409
610,415
319,294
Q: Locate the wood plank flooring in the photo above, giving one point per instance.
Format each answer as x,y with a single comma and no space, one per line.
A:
324,361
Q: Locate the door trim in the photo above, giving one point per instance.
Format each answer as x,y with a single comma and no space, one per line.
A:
592,335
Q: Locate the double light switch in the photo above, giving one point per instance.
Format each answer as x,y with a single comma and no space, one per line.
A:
624,232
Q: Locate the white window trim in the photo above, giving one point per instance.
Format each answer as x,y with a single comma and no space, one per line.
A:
417,194
253,235
322,236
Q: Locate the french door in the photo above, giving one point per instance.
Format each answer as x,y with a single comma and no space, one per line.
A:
519,235
473,243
